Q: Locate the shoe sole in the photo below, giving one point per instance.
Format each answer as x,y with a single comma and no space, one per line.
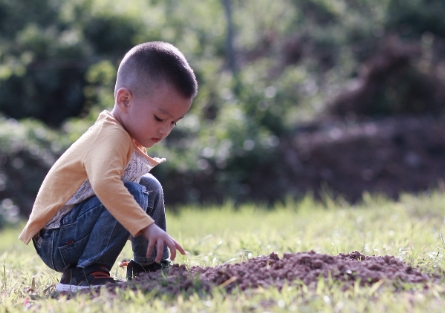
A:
73,288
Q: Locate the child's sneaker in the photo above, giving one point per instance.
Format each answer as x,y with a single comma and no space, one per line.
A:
77,278
134,268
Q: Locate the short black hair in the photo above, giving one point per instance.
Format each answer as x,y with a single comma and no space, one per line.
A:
149,64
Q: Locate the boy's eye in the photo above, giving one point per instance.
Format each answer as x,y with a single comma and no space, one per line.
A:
158,119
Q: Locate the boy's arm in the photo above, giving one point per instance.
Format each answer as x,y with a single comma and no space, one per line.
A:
105,163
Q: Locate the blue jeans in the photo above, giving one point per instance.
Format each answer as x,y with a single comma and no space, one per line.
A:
89,234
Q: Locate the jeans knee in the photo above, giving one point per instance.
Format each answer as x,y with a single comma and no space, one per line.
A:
151,183
137,191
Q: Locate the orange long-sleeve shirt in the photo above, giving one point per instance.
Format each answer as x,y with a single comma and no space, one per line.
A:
100,155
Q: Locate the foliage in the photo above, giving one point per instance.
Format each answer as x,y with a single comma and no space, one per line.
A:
59,58
46,55
9,213
414,18
27,151
410,230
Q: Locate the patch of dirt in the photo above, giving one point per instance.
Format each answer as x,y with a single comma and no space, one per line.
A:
389,156
272,271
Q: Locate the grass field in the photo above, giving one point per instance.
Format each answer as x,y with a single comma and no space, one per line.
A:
410,229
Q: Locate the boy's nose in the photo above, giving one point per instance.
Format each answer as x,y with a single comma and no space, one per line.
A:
163,130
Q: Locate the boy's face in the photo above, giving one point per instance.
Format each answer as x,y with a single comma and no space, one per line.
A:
151,118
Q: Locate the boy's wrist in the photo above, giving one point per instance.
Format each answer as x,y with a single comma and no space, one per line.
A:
146,229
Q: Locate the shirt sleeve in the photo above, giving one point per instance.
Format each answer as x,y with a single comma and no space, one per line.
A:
104,164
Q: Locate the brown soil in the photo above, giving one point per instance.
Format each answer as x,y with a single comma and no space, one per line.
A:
272,271
387,156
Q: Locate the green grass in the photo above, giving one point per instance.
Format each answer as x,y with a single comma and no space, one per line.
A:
410,229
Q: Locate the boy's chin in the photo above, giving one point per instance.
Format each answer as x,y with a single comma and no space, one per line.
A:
150,143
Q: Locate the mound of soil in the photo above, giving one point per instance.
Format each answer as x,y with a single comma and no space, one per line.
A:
386,156
272,271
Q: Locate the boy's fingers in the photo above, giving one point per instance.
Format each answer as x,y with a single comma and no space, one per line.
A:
179,247
172,247
159,250
151,245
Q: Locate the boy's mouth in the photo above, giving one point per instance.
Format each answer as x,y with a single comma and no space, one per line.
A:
156,139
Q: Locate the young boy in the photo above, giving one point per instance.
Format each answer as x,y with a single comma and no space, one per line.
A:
99,192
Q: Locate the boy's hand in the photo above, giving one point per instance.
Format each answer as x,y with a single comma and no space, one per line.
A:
156,236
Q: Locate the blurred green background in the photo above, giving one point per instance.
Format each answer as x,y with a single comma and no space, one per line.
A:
268,70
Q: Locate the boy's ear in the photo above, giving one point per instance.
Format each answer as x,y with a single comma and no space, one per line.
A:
123,97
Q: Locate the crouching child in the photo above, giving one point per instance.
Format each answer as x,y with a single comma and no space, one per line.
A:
100,192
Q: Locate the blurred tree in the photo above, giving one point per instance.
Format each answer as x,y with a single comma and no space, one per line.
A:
42,67
230,49
415,17
263,67
46,55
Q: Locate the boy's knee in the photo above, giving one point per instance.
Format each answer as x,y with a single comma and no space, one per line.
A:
150,183
136,191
